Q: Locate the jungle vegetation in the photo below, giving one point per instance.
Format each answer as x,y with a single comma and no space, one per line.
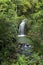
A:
12,12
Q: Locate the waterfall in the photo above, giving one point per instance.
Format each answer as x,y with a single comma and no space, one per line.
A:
24,43
22,28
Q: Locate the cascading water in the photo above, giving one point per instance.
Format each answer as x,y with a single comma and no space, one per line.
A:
22,28
24,46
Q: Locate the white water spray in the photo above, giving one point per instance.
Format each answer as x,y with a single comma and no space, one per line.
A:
22,28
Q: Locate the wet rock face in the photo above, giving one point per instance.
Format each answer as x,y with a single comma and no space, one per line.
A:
25,49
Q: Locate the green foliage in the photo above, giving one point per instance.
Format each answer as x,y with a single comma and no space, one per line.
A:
11,14
32,60
8,29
